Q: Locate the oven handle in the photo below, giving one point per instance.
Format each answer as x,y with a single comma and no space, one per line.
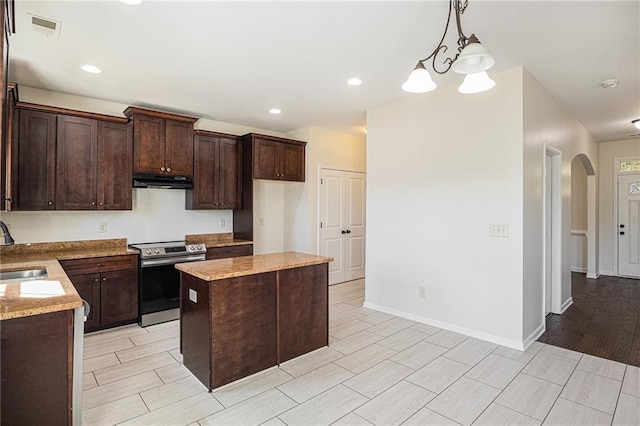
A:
171,261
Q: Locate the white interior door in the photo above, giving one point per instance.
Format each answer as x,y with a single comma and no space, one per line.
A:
628,226
332,243
355,224
343,223
548,232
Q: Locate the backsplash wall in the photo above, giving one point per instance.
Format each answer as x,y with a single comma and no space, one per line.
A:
157,215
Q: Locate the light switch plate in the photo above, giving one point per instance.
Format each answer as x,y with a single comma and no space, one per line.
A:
499,230
193,295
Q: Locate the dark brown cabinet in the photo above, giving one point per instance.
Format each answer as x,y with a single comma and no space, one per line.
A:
217,177
277,158
229,251
162,142
115,162
109,285
36,161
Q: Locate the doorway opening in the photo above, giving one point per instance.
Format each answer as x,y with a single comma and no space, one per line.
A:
583,217
552,218
627,214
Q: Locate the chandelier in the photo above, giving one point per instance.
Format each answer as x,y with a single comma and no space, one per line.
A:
471,59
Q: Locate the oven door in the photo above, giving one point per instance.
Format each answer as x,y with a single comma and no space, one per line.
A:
160,283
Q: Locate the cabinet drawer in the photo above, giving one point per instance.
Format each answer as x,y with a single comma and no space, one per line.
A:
99,264
229,251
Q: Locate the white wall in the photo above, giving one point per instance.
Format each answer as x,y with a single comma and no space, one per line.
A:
609,151
546,123
441,167
325,149
157,214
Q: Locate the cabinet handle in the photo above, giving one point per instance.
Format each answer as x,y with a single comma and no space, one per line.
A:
98,265
169,169
95,280
93,203
50,203
104,279
101,204
162,169
222,204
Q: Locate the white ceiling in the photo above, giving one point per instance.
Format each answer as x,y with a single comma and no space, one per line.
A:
233,61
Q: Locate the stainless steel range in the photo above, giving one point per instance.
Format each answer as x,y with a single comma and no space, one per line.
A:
159,281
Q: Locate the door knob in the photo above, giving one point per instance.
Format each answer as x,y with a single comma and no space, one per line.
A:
344,232
348,231
621,232
621,226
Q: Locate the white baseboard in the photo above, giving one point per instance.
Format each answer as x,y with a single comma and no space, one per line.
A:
608,273
534,336
576,269
513,344
566,305
593,276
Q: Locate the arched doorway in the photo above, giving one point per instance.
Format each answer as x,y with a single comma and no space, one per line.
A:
583,216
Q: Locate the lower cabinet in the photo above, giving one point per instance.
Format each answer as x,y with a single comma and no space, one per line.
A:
36,369
109,285
229,251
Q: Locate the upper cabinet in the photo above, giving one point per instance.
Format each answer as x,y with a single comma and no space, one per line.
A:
217,178
162,142
277,158
67,162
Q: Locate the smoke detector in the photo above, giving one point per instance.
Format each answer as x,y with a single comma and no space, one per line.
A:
609,84
45,26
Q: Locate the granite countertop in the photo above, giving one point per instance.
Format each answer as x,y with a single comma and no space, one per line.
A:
212,270
216,240
14,304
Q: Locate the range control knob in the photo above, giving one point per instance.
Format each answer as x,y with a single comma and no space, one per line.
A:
199,247
156,251
147,251
191,248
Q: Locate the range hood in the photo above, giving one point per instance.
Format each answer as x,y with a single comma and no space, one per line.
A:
165,182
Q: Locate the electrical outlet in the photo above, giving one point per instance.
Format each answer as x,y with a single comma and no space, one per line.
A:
102,227
222,223
499,230
261,221
422,292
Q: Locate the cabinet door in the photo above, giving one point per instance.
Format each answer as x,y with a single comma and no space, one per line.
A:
148,144
205,177
118,297
292,162
179,148
88,287
265,159
36,161
230,183
76,163
115,147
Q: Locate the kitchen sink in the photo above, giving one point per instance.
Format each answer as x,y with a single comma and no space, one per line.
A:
23,275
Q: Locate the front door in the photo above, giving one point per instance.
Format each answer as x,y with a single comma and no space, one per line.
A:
628,225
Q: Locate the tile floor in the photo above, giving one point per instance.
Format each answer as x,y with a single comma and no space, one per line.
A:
378,369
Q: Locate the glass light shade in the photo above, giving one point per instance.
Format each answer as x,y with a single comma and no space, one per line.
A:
419,81
636,123
476,83
473,59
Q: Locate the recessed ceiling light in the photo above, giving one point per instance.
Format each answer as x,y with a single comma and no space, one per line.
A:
133,2
354,82
275,111
609,84
92,69
636,123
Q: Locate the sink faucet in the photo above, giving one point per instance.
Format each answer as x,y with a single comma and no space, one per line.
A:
8,240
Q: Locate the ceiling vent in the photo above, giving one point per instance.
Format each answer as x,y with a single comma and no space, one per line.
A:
45,26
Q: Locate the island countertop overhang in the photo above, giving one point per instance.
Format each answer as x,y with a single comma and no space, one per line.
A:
219,269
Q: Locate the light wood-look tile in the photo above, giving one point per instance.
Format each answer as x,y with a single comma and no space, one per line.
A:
551,367
628,411
395,405
172,372
308,362
592,390
88,381
530,395
99,362
182,412
561,352
497,415
253,411
602,367
272,422
163,326
418,355
439,374
631,383
143,351
115,412
325,408
342,317
315,382
567,413
426,329
351,419
121,371
339,307
175,353
107,348
365,358
355,342
169,393
520,356
241,390
464,400
403,339
358,301
426,417
471,351
119,389
495,371
378,378
376,318
392,326
145,339
106,336
446,338
347,329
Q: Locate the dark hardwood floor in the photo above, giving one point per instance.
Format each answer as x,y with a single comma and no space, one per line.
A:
603,321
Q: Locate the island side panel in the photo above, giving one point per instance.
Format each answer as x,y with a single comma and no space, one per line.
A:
244,326
195,335
303,310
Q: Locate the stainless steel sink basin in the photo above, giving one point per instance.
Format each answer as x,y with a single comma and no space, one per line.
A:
23,275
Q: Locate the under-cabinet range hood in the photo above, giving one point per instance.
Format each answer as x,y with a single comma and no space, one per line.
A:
166,182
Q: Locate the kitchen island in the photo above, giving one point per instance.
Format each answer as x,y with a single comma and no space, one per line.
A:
243,315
